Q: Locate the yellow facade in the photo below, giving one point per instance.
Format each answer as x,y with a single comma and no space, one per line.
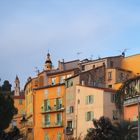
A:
132,63
31,83
49,107
19,103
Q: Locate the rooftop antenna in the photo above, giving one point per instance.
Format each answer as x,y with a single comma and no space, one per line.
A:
123,52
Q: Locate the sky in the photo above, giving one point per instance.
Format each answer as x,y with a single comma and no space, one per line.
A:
68,29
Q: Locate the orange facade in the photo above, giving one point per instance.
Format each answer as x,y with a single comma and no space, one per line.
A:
49,107
131,112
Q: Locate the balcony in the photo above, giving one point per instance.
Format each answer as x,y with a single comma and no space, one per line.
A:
131,101
69,131
52,109
52,125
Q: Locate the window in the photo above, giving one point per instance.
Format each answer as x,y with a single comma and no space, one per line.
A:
109,86
58,103
47,105
58,91
109,75
89,99
47,119
69,124
20,101
62,79
58,119
111,64
69,83
71,109
113,98
83,67
89,116
121,76
53,81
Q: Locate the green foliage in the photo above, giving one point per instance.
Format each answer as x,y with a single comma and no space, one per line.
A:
126,130
105,130
120,93
7,109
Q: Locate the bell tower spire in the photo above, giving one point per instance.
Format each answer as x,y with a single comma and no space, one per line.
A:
17,87
48,62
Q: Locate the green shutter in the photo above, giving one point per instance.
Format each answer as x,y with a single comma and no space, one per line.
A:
92,115
60,102
86,99
42,107
49,118
55,104
61,118
91,98
48,104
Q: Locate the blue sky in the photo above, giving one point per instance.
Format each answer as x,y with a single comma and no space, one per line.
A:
29,28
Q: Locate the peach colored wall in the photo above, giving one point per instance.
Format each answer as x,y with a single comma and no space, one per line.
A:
70,101
101,106
108,105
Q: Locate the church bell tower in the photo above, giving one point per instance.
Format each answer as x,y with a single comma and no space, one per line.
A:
48,63
17,87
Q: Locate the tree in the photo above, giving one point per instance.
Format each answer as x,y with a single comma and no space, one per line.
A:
105,130
126,130
7,109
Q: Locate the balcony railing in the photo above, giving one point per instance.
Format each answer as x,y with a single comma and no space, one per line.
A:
131,101
69,131
51,109
51,125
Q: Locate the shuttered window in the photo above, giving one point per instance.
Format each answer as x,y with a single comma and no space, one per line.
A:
89,116
89,99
